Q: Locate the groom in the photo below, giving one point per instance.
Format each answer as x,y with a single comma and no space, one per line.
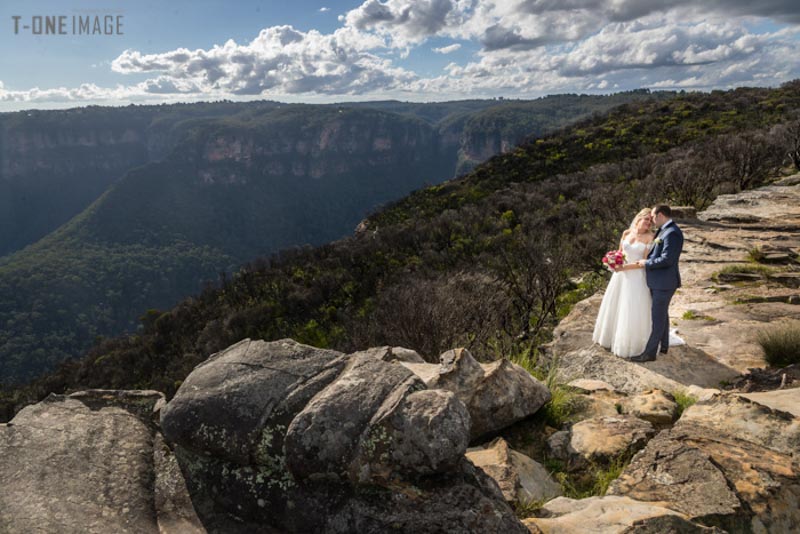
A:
663,278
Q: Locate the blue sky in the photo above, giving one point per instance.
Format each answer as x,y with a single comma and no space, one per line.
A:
423,50
151,27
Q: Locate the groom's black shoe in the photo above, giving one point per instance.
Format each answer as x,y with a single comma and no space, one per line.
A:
662,351
643,358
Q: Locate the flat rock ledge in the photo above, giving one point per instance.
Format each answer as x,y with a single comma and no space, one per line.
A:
612,515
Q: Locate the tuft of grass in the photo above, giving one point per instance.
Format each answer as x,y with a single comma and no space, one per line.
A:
593,481
747,268
562,405
563,401
781,344
691,315
756,255
683,400
604,476
526,509
527,357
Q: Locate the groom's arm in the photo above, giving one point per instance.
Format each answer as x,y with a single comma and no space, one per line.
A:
670,250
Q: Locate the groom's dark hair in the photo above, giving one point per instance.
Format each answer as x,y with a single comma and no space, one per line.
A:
663,208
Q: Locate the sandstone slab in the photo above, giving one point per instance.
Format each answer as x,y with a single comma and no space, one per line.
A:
611,515
785,400
80,464
728,462
654,406
520,478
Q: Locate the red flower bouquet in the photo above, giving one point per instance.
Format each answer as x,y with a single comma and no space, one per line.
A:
613,260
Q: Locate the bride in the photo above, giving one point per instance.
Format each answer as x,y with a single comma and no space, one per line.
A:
623,323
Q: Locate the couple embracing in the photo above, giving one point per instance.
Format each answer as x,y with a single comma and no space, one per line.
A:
633,321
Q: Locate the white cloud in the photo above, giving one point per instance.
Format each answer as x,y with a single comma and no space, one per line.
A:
447,49
407,22
281,60
660,50
324,9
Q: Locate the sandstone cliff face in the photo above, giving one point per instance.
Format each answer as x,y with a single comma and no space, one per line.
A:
335,146
477,145
54,164
51,170
25,152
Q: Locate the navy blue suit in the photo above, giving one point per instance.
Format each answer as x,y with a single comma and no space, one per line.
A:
663,278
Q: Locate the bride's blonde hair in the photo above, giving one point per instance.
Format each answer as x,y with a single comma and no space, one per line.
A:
644,212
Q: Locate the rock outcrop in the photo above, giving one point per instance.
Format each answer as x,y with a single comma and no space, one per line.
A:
260,438
577,357
304,439
496,394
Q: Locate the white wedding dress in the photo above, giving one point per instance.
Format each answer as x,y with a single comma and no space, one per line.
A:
623,323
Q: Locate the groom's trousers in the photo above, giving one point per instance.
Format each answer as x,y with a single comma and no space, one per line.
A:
660,317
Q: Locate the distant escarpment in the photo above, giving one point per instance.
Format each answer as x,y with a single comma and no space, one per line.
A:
53,164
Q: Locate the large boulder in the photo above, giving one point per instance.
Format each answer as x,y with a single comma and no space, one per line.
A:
728,462
222,406
287,436
496,394
87,462
376,421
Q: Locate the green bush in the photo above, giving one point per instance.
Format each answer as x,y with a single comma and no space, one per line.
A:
683,400
781,344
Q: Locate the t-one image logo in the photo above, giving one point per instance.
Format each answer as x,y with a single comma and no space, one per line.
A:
91,24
